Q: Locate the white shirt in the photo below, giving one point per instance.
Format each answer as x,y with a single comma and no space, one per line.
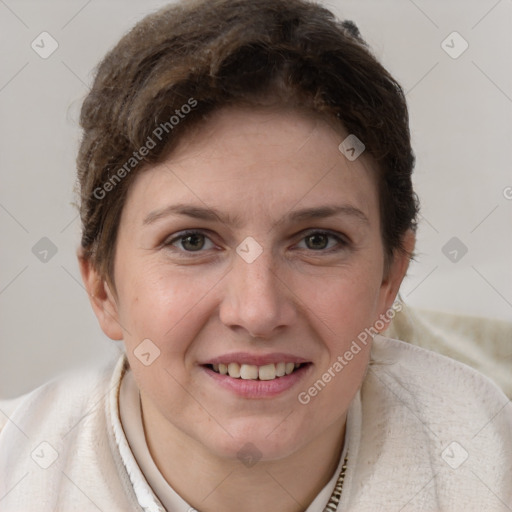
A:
425,433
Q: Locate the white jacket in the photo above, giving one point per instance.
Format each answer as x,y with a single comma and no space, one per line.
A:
424,433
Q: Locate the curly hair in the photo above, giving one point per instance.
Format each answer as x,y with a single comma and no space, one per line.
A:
191,58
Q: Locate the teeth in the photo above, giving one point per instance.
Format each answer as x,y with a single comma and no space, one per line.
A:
248,371
253,372
234,370
267,372
280,369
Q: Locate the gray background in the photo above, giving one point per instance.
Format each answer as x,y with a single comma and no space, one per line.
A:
460,119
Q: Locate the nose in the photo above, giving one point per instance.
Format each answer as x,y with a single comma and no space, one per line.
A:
256,300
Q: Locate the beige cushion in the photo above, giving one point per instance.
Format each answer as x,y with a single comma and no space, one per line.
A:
483,343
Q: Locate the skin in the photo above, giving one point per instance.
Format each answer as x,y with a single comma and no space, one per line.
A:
257,165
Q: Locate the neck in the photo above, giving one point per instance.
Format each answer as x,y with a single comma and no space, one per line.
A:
209,483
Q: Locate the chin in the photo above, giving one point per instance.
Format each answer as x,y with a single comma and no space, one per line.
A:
256,444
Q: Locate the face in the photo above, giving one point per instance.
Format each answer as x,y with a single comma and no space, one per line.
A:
256,243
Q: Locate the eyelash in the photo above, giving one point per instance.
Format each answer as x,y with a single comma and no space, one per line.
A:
341,242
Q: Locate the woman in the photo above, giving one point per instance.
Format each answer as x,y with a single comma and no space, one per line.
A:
248,217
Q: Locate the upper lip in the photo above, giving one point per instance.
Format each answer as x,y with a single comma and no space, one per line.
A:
256,359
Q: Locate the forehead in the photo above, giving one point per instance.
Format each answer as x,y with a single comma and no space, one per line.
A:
262,161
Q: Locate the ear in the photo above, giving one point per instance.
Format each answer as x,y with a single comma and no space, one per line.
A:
396,272
102,299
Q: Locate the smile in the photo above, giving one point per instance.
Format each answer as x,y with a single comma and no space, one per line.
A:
253,372
258,381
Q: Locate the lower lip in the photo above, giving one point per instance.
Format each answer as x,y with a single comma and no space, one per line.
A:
258,388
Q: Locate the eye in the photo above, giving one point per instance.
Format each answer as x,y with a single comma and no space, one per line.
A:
191,241
322,241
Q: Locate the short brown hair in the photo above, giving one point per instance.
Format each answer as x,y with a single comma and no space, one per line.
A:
212,53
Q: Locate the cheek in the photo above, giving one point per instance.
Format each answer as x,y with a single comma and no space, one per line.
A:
161,305
339,317
342,305
169,308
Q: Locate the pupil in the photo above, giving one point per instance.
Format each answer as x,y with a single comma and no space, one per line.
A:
193,242
317,241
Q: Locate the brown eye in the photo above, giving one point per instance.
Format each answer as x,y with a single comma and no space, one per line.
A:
193,242
190,241
317,241
322,241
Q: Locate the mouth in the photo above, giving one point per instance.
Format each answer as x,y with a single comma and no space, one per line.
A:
257,375
267,372
264,381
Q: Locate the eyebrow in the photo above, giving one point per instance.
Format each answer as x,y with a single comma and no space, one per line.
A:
212,214
324,212
195,212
